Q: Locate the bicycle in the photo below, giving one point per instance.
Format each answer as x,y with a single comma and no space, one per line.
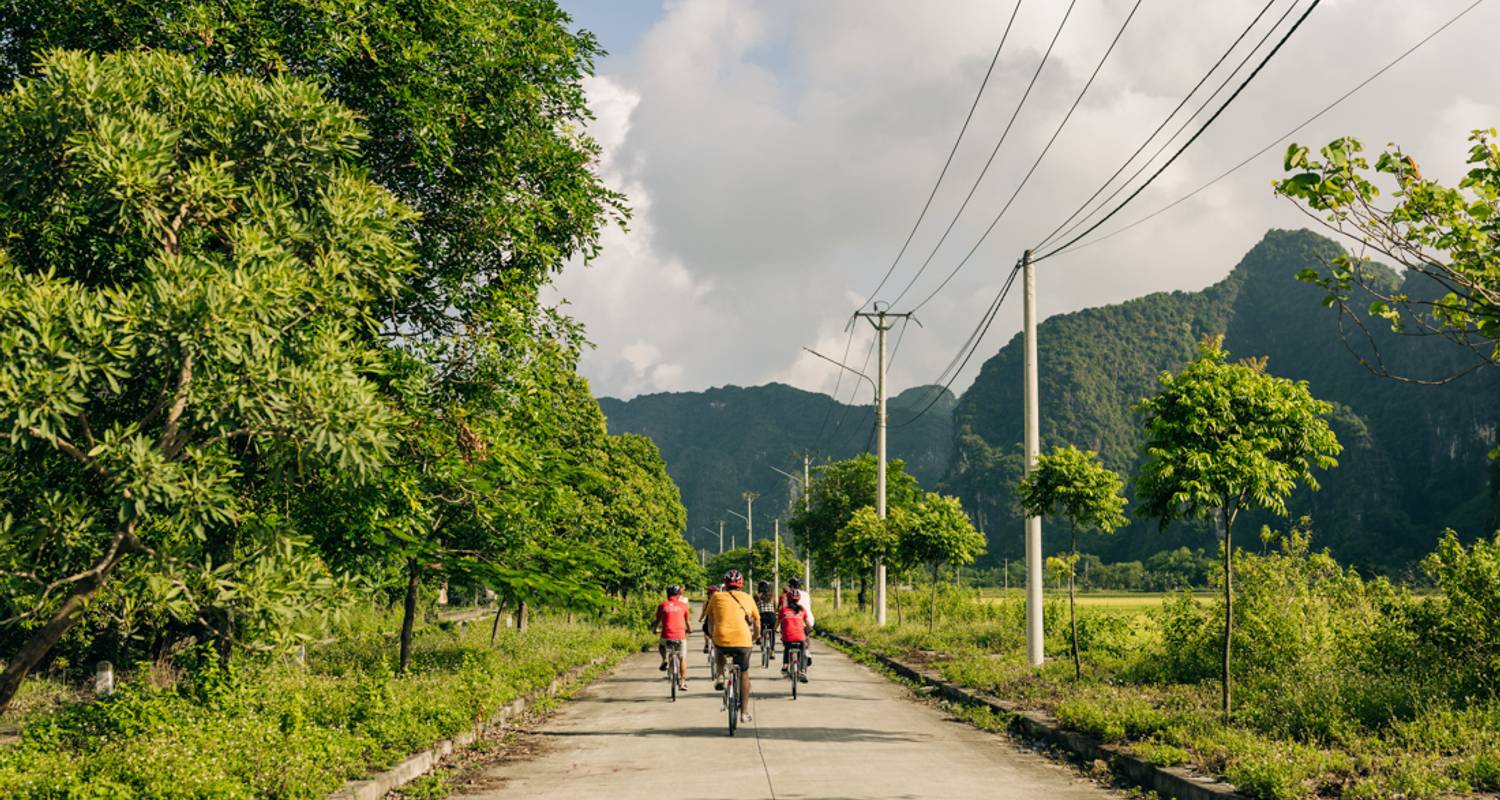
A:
674,667
797,671
767,646
732,698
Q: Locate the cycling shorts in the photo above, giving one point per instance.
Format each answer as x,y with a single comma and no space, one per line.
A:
767,620
740,655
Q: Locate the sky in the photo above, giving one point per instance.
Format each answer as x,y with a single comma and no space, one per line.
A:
777,153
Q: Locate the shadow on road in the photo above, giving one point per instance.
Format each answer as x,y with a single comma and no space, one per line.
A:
811,734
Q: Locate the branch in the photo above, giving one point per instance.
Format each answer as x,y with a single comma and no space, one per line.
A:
168,441
69,448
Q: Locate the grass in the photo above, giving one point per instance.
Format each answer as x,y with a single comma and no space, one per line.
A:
274,729
1436,752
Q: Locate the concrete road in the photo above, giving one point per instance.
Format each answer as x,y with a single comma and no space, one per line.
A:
850,734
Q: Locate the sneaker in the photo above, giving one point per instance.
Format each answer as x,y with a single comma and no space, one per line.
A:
682,687
718,686
705,648
746,719
662,668
802,678
784,671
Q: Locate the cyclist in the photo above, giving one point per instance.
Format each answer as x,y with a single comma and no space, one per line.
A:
673,625
767,606
703,616
736,626
794,591
794,624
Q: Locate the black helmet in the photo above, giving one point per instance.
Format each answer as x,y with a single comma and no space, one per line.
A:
734,580
763,586
674,590
795,583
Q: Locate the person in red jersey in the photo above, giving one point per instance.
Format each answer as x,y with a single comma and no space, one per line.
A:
794,624
672,621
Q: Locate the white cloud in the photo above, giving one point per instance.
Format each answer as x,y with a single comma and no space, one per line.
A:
776,154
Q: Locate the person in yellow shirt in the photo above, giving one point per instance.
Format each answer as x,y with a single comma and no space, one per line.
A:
735,622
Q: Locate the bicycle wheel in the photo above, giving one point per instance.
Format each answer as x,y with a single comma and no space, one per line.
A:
732,699
765,653
791,674
674,661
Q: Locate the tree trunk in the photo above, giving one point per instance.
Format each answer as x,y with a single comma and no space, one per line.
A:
1073,606
838,593
897,593
1228,606
932,610
861,594
43,639
495,626
409,612
523,616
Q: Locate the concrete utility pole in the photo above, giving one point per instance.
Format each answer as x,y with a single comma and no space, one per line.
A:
750,535
1033,444
878,319
710,532
806,508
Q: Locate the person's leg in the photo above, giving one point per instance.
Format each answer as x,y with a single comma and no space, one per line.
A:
719,669
681,662
745,715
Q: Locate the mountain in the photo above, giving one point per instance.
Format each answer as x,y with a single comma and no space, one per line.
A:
1415,458
722,442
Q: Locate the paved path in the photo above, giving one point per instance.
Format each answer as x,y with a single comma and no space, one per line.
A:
851,734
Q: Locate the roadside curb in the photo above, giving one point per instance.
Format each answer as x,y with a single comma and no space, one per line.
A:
1165,781
414,766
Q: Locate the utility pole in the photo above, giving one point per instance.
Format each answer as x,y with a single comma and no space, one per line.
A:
806,508
721,537
1033,445
878,319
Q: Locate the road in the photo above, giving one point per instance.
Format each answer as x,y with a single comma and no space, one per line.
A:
851,734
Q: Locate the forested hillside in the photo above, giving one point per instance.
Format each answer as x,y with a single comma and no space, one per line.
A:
1415,458
719,443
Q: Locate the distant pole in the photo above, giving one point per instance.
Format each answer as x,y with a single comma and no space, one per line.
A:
750,534
721,537
1007,576
806,509
1033,444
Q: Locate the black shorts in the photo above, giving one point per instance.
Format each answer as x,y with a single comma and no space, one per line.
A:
767,619
740,656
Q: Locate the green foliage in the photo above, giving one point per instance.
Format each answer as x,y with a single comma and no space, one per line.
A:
840,491
1445,235
191,271
1223,437
1072,484
935,532
276,730
475,113
762,563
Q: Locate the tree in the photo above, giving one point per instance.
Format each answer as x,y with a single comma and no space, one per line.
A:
475,110
762,561
189,282
864,541
1449,236
1221,438
1075,485
934,533
838,490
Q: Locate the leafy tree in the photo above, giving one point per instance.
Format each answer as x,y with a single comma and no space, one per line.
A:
864,541
190,274
1450,236
839,489
475,110
1222,438
934,533
1075,486
762,561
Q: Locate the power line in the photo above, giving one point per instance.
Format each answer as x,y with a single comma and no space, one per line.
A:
972,345
1190,141
1024,180
1186,122
993,152
1167,118
1257,154
947,163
